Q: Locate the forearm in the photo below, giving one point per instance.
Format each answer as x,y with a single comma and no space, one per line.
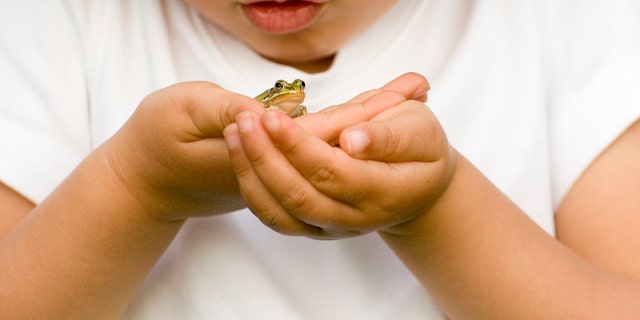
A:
83,252
481,257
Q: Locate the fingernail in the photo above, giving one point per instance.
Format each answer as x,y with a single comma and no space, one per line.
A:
271,121
357,141
244,122
231,137
421,91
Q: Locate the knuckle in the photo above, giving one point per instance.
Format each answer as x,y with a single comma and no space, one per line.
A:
244,173
268,215
257,158
293,199
272,215
275,222
324,174
390,142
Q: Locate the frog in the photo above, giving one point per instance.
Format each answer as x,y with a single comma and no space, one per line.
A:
286,97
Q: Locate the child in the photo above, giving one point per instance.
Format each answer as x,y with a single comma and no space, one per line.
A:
132,127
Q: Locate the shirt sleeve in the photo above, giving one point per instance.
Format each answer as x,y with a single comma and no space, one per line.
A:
44,130
594,67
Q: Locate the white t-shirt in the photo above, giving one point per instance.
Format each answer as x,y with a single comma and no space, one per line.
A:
530,91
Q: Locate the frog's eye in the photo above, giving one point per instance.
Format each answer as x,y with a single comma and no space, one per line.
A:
279,84
299,83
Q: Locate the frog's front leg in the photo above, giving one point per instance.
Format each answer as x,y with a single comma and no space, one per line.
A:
299,111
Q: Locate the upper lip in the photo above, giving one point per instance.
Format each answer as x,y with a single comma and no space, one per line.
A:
246,2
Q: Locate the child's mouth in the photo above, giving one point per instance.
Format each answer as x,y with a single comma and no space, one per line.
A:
282,17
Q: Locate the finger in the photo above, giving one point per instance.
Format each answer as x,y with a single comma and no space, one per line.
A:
207,107
227,106
408,132
376,193
328,125
257,197
411,85
365,105
286,182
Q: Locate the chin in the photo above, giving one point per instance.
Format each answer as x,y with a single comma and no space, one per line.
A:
298,52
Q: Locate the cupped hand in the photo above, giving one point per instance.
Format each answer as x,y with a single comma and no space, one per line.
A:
171,153
371,164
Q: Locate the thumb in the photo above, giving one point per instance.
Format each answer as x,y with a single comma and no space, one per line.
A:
198,109
409,132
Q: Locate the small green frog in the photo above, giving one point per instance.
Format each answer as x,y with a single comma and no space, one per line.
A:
286,97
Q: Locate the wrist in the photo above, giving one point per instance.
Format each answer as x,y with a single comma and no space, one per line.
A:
415,225
130,179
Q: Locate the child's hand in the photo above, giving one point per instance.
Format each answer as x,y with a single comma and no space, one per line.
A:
171,153
384,172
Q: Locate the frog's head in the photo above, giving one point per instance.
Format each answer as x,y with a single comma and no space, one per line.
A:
283,95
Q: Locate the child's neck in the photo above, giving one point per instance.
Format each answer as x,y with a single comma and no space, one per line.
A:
315,66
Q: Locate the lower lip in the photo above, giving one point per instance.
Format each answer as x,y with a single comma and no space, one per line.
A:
274,17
